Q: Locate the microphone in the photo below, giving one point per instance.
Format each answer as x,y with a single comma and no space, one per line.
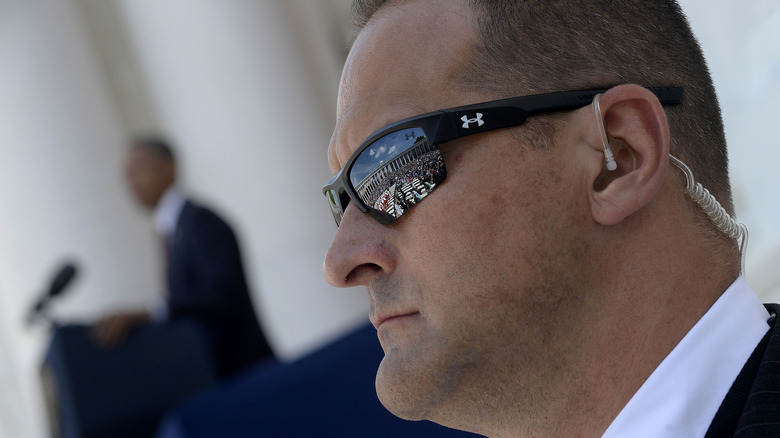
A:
59,283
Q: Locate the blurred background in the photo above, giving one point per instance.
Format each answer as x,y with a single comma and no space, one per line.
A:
246,91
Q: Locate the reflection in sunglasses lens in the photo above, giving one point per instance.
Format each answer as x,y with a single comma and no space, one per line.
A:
397,171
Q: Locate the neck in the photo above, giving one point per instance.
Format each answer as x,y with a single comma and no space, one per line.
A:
645,304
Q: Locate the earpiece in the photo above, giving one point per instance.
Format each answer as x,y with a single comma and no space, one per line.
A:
712,208
608,157
694,190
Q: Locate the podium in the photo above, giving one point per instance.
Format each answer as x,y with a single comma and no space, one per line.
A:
122,392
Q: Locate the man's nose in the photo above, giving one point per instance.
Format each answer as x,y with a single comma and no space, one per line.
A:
359,251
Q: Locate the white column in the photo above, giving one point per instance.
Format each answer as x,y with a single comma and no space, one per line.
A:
61,194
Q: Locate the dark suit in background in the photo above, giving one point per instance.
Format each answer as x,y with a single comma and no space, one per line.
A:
206,282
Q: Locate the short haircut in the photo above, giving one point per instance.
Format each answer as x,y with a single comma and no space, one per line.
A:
156,146
539,46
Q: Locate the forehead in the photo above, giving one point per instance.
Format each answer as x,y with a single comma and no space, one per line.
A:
135,155
405,62
142,159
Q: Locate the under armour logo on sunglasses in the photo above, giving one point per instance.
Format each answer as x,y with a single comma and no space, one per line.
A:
467,121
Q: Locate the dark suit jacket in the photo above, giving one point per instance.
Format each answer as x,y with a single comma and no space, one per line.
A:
206,282
752,406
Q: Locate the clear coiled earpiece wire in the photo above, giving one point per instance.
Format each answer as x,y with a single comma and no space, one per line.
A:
694,190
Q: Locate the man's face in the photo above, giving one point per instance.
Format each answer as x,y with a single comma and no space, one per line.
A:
468,288
148,176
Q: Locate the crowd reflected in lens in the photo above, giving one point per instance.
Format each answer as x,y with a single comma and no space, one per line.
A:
396,191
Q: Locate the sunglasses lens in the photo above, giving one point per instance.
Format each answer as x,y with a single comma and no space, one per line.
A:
397,171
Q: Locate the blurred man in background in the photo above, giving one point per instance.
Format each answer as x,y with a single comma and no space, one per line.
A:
204,270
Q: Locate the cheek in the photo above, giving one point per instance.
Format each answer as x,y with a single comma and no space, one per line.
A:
143,190
492,230
137,187
485,212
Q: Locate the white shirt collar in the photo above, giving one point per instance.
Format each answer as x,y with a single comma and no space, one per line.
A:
168,210
682,395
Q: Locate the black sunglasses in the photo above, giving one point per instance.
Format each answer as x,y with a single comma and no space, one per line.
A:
400,164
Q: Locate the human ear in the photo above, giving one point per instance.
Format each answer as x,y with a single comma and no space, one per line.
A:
638,135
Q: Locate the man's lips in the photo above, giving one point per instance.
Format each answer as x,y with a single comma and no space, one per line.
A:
382,319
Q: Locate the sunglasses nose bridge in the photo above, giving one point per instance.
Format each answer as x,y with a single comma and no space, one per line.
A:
335,196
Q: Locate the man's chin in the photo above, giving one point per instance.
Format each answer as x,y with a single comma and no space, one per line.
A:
401,390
